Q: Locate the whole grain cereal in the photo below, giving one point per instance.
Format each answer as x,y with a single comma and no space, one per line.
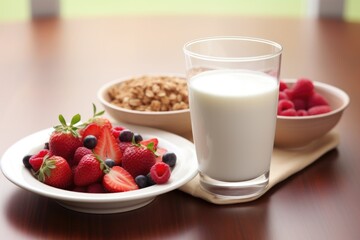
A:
151,93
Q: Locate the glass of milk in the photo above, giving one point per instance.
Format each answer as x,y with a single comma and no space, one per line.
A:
233,87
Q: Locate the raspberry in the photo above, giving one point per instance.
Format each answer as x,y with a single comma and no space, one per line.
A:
299,104
288,112
284,104
302,112
319,110
283,95
303,88
316,100
282,86
160,172
116,131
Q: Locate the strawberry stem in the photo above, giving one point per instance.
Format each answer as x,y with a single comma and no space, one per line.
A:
65,128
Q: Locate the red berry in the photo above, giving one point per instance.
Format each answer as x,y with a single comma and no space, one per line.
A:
302,112
138,160
79,153
284,104
154,141
299,103
159,153
282,95
160,173
116,131
95,188
288,112
303,88
316,100
56,172
124,145
91,129
107,146
319,110
88,171
37,159
119,180
282,86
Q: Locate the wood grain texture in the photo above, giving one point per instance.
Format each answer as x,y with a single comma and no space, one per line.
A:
54,66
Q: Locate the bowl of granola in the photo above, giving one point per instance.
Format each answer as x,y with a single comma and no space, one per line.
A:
158,101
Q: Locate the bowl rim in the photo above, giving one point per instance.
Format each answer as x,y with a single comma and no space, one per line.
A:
102,90
339,92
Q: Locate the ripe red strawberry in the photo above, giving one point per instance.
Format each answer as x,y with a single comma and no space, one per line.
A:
107,146
95,188
91,129
159,153
138,160
119,180
153,141
65,140
160,173
94,125
56,172
79,153
303,88
319,110
36,160
124,145
88,171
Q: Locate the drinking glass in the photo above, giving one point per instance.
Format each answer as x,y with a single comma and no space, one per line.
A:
233,87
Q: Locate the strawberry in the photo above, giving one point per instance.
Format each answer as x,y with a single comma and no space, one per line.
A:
124,145
79,153
55,171
138,159
119,180
95,188
146,142
159,153
91,129
94,125
65,140
107,146
160,173
36,160
88,171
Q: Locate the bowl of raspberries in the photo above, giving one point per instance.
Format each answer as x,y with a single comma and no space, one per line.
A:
307,110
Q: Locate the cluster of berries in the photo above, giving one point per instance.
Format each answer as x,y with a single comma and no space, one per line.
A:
301,99
97,157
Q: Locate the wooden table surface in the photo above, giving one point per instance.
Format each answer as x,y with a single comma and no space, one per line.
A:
49,67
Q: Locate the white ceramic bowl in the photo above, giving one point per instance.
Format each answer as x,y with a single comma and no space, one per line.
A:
296,132
185,169
177,122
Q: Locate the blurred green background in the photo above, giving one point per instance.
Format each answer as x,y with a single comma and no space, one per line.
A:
19,10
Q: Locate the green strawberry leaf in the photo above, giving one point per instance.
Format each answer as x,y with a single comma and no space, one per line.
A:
75,119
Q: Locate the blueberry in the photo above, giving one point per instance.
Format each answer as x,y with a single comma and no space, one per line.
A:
109,162
90,141
126,136
138,138
141,181
169,158
149,180
26,161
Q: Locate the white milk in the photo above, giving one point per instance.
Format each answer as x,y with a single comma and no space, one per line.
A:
233,119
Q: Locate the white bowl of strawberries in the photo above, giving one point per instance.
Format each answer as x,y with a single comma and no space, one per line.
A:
307,110
100,167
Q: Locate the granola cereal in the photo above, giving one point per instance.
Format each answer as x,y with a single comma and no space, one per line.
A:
151,93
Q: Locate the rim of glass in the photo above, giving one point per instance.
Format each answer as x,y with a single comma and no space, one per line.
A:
233,59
